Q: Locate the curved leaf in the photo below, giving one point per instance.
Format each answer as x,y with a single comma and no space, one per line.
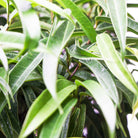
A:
15,40
60,34
103,101
118,15
52,7
114,62
80,53
42,109
104,78
21,71
30,23
84,22
53,126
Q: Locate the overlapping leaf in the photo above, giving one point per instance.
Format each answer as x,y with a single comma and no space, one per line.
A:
81,18
58,37
53,126
114,62
21,71
103,101
42,109
104,78
118,15
30,23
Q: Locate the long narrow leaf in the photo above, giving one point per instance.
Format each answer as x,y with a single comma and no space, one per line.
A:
42,109
53,7
55,44
114,62
81,18
30,23
103,101
118,15
53,126
15,40
104,78
21,71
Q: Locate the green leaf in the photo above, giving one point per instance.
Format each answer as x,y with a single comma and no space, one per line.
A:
53,126
3,3
3,59
29,95
30,23
103,5
132,24
84,22
21,71
132,5
59,36
114,62
15,40
133,51
118,15
104,78
103,101
52,7
73,121
78,131
4,86
80,53
43,107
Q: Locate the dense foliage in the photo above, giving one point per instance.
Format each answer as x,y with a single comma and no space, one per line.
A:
63,69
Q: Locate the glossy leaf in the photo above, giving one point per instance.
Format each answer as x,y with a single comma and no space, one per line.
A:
118,15
114,62
104,78
81,53
103,101
81,18
57,40
42,109
30,23
52,7
53,126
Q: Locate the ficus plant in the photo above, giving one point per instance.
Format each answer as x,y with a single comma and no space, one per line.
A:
64,69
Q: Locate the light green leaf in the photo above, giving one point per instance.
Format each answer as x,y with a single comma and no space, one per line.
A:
53,126
42,109
114,62
60,34
118,15
80,53
104,78
15,40
3,3
52,7
135,108
30,23
3,59
133,51
84,22
103,101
